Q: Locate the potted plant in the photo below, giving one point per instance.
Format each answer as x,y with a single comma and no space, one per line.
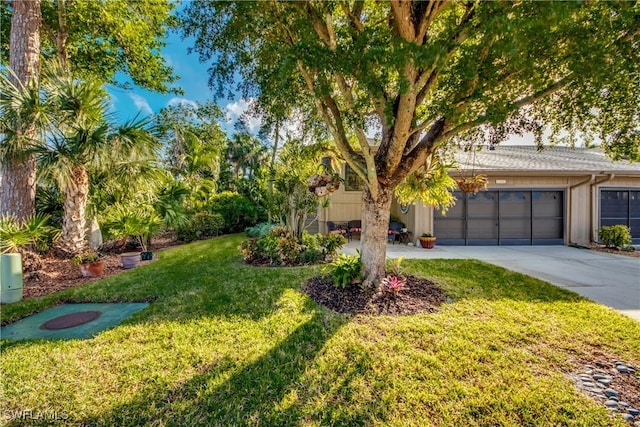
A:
138,222
427,240
473,184
130,259
149,225
91,263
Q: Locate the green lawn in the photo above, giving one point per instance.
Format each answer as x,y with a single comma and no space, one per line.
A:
227,344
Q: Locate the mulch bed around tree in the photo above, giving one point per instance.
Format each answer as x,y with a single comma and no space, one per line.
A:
57,274
419,296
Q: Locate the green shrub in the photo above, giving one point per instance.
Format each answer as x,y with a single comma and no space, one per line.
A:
615,236
345,270
260,230
12,235
34,233
280,247
40,232
124,220
201,226
237,211
311,256
326,245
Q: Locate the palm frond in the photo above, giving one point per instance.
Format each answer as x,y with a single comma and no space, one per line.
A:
24,117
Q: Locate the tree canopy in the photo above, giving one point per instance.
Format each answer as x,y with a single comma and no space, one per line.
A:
431,73
100,39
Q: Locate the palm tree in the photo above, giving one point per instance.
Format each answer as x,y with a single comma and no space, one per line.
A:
246,154
86,139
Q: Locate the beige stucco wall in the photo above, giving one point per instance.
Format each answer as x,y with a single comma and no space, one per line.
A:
582,197
343,206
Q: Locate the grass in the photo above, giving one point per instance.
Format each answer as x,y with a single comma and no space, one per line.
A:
227,344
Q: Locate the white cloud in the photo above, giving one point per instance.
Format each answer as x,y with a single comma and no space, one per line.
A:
175,101
254,123
236,109
141,103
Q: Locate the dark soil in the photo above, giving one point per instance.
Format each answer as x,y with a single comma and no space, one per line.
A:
600,248
56,274
419,296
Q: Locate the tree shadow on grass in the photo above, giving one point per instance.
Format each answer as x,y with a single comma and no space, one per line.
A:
252,395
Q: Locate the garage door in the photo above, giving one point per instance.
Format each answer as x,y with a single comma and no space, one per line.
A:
621,207
503,218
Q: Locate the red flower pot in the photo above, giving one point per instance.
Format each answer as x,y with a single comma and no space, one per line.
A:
427,242
92,269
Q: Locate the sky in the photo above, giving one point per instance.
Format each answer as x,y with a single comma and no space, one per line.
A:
193,74
193,81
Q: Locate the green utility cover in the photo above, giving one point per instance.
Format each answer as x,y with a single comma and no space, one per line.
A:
32,327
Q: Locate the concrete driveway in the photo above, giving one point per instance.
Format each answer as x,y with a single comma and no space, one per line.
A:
612,280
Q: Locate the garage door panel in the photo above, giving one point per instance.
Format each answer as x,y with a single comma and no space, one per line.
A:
482,229
613,203
482,205
634,204
548,204
515,228
515,204
450,229
455,211
621,207
613,221
635,229
548,228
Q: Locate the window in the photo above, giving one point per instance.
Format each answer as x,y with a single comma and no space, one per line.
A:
352,181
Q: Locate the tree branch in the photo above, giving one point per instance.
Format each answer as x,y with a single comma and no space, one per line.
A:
433,9
427,80
354,15
402,16
527,100
421,151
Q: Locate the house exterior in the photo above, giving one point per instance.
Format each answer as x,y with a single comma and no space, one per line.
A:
559,196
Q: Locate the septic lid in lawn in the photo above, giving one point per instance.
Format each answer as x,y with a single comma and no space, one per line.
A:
70,320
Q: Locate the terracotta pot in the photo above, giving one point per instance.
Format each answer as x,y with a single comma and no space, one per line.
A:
130,260
92,269
427,242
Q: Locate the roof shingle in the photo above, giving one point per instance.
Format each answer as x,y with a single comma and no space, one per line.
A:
511,158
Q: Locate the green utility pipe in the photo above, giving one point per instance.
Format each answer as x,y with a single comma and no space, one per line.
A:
10,278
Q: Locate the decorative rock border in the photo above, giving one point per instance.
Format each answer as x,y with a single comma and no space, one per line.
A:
596,381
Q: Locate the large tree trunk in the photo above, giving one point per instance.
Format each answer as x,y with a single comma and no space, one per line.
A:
76,192
375,226
19,174
18,194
